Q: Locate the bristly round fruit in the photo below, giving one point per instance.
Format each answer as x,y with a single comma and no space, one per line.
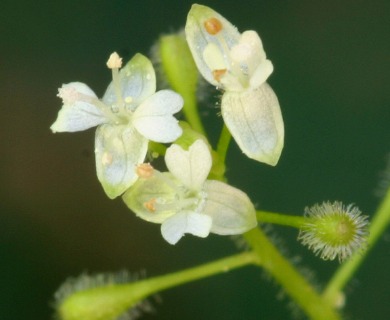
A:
334,230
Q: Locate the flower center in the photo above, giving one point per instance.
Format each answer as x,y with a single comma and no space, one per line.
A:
229,66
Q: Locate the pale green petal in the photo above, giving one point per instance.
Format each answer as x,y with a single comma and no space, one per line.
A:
118,149
261,74
250,56
138,81
153,199
174,228
198,39
249,49
79,111
154,117
254,119
213,57
78,117
231,210
190,167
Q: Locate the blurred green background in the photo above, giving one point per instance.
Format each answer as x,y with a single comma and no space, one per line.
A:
331,75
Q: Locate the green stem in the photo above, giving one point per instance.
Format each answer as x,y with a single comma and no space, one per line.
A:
278,218
182,75
346,271
191,113
291,281
223,143
208,269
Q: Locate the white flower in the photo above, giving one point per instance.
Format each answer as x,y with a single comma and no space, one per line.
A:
183,201
237,64
130,114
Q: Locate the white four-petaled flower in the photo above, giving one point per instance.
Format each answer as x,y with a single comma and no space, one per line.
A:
130,114
237,64
184,201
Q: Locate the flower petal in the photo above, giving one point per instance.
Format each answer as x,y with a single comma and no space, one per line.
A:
78,112
190,167
137,82
230,209
153,199
213,57
174,228
154,120
261,74
118,149
199,36
249,49
250,56
254,119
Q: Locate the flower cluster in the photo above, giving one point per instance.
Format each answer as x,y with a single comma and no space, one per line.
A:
190,196
131,113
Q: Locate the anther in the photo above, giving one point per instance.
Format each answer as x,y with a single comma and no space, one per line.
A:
115,61
149,205
217,74
144,170
213,26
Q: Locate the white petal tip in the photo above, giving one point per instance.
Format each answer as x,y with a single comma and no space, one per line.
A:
174,228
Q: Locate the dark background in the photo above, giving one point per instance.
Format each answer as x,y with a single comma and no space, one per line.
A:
331,75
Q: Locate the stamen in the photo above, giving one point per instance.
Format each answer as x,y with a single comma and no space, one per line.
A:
68,94
150,205
115,61
213,26
217,74
145,170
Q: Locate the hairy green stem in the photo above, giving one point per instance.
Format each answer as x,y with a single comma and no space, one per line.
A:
346,271
291,281
110,301
205,270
